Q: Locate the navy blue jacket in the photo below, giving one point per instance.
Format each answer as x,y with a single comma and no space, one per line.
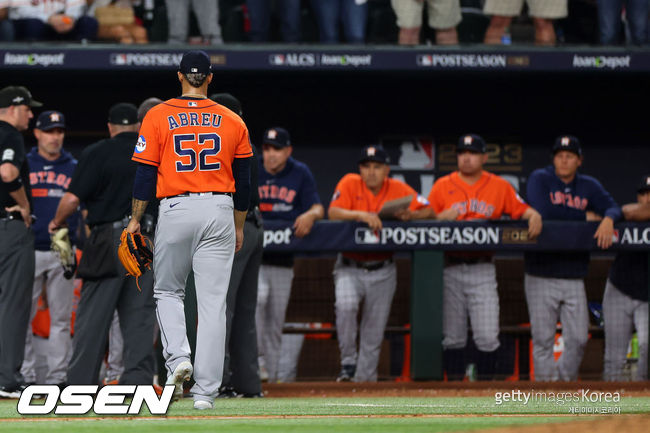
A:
556,200
49,180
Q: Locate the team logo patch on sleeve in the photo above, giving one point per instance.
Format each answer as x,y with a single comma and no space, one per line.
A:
8,155
336,195
141,145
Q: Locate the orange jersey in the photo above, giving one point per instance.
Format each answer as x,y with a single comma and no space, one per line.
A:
352,193
489,198
193,142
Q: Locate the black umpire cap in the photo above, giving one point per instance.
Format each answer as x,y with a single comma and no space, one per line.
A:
123,114
569,143
17,95
228,101
195,62
374,152
51,119
471,142
644,185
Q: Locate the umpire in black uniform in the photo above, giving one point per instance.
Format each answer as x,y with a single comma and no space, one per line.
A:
16,237
240,370
103,181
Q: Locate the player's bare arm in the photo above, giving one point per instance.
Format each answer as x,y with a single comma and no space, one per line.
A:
240,219
636,211
137,210
593,216
337,213
68,204
449,214
605,232
420,214
534,222
305,221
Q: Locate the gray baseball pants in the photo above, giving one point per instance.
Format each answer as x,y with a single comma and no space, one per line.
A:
470,289
194,233
550,299
623,314
60,293
207,16
274,290
376,289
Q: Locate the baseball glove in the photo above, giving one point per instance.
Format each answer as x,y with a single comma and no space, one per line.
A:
134,253
63,248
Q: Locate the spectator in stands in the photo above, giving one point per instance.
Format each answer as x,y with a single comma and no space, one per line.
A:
542,11
6,26
625,303
207,17
609,20
117,22
259,13
52,20
554,280
352,13
444,16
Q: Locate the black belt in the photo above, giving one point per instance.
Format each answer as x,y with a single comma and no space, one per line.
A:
15,215
368,266
190,194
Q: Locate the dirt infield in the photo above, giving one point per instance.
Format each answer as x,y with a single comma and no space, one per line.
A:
442,389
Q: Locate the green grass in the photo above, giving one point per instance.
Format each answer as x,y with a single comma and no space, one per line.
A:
314,407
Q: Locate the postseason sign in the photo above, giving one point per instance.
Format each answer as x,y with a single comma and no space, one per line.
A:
461,236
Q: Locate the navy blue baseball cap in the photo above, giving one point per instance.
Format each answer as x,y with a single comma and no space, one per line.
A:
277,137
195,62
374,152
644,185
50,119
569,143
471,142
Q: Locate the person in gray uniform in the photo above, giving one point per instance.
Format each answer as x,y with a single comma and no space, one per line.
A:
241,371
16,237
204,187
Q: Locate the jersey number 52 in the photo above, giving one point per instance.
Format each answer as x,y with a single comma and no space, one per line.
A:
191,153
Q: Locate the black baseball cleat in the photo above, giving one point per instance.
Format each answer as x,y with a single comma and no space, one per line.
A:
251,395
227,392
347,373
12,392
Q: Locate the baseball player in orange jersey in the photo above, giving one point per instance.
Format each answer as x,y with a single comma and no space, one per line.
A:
197,154
371,277
469,279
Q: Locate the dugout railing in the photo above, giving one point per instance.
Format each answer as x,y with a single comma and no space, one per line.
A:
427,241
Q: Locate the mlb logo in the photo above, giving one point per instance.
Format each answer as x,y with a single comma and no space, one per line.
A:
277,59
615,237
119,59
192,104
425,60
363,236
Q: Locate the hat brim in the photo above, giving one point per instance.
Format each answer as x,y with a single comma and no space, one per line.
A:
373,159
52,126
35,104
275,144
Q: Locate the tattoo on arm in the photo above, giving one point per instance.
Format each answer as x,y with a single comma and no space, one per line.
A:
137,209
